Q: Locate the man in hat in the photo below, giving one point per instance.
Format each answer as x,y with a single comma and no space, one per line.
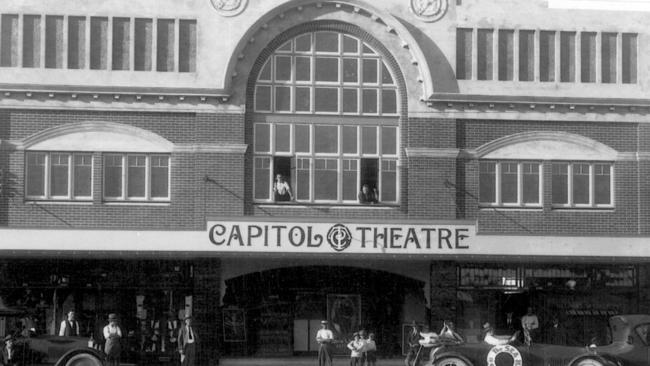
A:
8,356
113,335
70,326
413,344
324,338
187,340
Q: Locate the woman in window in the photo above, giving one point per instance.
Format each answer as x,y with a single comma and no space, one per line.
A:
367,196
281,189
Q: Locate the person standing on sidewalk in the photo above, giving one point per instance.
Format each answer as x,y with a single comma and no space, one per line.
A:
187,341
324,337
113,336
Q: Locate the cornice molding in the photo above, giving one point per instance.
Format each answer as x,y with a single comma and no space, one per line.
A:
425,152
211,148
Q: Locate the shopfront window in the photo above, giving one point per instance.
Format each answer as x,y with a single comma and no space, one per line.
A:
58,176
136,177
510,183
347,134
582,184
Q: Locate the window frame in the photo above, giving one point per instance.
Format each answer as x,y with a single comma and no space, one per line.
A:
47,177
498,193
124,197
592,186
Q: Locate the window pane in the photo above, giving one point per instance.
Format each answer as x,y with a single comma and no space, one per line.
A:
369,140
121,43
166,45
143,43
349,136
386,78
262,137
303,99
31,41
83,175
59,175
283,138
350,180
326,69
350,45
588,57
546,56
282,68
350,101
303,43
326,99
526,55
35,174
530,182
567,56
506,54
302,138
282,98
303,69
113,176
388,101
137,176
389,181
463,54
327,141
487,182
629,58
265,73
159,177
369,101
389,140
327,42
262,178
54,41
187,44
484,54
581,183
350,70
509,182
262,98
325,179
302,179
286,47
9,38
602,188
608,57
370,71
560,184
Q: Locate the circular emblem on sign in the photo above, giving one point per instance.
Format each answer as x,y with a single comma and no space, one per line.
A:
229,8
339,237
429,10
508,349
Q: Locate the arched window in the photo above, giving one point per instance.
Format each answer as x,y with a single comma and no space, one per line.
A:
326,118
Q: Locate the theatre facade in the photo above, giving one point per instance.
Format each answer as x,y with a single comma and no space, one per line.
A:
506,144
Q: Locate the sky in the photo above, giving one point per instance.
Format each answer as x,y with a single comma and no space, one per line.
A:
624,5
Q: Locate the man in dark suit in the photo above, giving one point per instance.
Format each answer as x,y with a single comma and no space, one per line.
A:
187,341
8,357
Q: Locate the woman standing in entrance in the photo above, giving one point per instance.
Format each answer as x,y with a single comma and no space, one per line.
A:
113,336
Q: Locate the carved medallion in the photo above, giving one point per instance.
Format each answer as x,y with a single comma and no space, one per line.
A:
429,10
229,8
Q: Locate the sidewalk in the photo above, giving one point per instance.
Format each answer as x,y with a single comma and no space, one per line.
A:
301,361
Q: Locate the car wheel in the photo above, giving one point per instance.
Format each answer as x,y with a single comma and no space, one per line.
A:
451,361
83,359
588,362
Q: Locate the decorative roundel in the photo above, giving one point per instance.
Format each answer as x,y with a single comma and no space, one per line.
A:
505,348
229,8
429,10
339,237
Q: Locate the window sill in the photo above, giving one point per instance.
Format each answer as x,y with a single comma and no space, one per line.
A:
31,201
136,203
512,208
584,209
327,205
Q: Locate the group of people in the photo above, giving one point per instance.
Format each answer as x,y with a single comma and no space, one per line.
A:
282,192
363,348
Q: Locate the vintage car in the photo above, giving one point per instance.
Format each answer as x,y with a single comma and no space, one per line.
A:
56,350
629,347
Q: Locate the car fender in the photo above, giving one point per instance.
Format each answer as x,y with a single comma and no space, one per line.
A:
91,351
450,354
607,360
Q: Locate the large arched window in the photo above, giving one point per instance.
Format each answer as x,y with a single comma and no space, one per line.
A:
326,116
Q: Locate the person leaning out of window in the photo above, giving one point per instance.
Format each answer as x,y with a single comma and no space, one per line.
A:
281,189
366,196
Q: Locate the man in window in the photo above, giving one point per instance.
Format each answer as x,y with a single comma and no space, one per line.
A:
281,189
366,196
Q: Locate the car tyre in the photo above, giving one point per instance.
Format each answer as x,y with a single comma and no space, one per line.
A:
451,361
588,362
83,359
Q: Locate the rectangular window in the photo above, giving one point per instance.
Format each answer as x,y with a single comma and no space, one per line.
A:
547,56
350,179
488,182
608,57
31,40
582,185
326,179
326,100
526,55
509,183
76,42
629,55
506,54
303,179
60,176
9,40
54,42
388,182
98,43
516,184
187,46
136,177
121,43
143,34
262,177
567,56
165,45
588,57
530,183
464,54
484,54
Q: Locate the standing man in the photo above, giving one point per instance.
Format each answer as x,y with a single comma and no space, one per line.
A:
70,326
187,340
8,354
113,336
413,343
324,337
530,325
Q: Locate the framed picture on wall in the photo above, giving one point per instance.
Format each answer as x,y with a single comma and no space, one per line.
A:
344,314
234,325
